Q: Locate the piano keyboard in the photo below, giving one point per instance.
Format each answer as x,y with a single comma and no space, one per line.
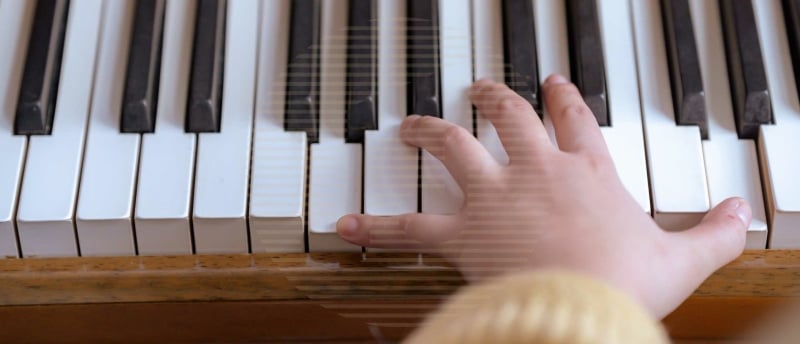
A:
162,127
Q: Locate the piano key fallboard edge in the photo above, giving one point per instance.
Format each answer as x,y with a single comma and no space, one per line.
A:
336,295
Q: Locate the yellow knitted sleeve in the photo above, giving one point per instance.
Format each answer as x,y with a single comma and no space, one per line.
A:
540,307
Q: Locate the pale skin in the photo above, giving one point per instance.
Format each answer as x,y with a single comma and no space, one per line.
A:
558,207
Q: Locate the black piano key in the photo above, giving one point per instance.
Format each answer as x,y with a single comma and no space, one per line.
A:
688,97
144,66
40,78
586,56
302,80
519,38
423,58
791,14
362,80
205,85
749,92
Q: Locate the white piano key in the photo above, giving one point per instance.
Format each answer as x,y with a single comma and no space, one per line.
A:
166,162
731,163
49,187
779,142
223,159
335,181
105,201
675,154
16,16
487,24
277,185
440,194
551,41
390,165
624,137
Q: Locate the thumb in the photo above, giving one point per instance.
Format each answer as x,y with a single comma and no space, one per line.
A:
719,237
407,231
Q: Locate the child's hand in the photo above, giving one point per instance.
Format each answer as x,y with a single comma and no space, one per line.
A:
552,207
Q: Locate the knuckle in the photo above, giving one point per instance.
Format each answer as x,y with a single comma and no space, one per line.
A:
547,171
576,112
486,98
408,123
425,127
454,135
561,89
480,86
486,93
511,102
538,166
493,90
600,165
424,122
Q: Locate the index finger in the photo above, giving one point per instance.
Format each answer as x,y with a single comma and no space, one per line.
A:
518,126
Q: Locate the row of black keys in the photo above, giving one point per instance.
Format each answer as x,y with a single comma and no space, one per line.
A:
745,64
423,67
39,86
747,77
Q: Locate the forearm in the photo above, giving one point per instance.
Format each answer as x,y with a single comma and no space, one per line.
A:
544,306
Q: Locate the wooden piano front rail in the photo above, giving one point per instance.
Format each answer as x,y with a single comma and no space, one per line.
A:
305,297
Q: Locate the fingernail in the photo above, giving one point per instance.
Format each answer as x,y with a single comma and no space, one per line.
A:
347,226
556,79
742,211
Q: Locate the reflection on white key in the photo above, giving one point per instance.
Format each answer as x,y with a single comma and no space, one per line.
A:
779,142
731,163
277,189
105,202
16,16
167,158
551,41
390,166
440,193
335,182
223,159
487,23
49,188
675,154
624,138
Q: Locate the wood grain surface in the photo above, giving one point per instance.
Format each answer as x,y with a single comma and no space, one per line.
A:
342,296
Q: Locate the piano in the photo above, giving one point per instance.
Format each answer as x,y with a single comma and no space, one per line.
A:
172,170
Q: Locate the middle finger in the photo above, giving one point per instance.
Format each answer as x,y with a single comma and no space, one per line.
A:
459,151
